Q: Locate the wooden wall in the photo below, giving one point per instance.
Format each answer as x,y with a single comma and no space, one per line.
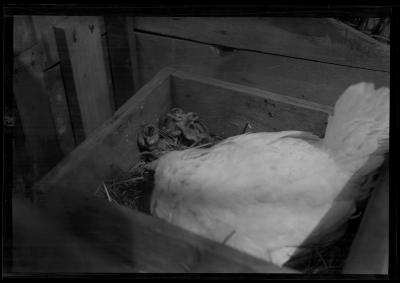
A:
72,73
314,59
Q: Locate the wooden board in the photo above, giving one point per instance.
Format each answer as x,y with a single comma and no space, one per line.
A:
313,81
85,54
79,234
120,59
34,108
59,108
137,80
107,61
320,39
227,107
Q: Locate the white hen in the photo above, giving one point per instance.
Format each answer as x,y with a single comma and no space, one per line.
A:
268,193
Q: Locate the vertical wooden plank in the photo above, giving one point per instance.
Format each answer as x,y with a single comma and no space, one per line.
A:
59,108
69,87
34,109
108,70
118,44
137,80
82,39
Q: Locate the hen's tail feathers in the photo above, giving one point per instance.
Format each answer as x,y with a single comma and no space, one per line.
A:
358,132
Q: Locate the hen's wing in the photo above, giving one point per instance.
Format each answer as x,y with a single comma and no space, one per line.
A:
266,191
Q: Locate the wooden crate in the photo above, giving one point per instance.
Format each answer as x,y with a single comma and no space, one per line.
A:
225,108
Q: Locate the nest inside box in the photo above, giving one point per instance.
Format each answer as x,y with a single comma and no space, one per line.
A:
177,130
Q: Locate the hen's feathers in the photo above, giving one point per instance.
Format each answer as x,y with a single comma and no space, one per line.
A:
357,134
247,179
359,127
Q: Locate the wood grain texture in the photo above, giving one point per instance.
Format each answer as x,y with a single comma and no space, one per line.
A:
369,253
227,107
85,53
60,110
313,81
320,39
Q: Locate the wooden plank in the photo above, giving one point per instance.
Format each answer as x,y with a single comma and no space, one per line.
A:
70,90
107,62
74,232
227,107
369,253
137,80
83,44
59,108
23,34
320,39
34,108
120,59
313,81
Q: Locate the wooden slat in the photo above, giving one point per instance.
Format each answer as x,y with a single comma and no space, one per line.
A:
319,39
34,108
59,108
369,253
85,54
313,81
120,59
227,107
78,233
107,62
137,80
70,90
